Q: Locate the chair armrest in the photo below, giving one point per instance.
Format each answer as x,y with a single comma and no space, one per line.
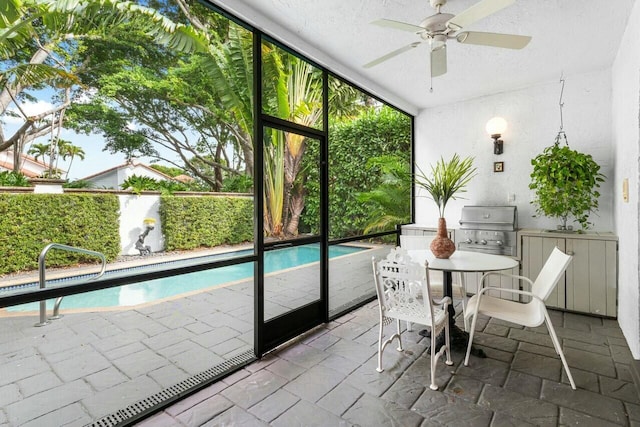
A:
512,291
509,275
443,301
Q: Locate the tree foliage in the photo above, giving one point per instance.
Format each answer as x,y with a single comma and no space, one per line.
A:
352,142
391,199
42,45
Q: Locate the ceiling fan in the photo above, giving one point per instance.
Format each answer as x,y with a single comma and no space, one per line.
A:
436,29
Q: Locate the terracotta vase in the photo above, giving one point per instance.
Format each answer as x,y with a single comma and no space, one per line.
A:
442,246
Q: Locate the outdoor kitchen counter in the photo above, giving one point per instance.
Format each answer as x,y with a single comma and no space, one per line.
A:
590,284
600,235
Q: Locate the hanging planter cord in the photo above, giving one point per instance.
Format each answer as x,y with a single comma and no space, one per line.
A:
561,134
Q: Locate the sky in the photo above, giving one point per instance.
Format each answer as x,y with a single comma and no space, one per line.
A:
95,160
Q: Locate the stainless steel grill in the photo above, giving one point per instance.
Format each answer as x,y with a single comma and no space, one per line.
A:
488,229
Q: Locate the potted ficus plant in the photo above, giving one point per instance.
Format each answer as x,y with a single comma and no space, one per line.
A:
566,184
446,180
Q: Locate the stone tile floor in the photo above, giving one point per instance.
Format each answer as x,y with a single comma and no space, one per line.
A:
328,378
88,365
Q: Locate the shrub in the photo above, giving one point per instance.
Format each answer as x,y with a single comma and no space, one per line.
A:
193,222
13,179
29,222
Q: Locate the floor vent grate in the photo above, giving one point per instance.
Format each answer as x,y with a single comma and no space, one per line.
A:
136,410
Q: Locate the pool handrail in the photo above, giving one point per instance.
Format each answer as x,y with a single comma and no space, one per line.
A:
43,282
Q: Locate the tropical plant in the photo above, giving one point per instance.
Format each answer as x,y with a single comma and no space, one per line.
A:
390,201
375,131
447,179
60,148
566,184
170,187
237,184
137,184
293,92
71,151
13,179
78,183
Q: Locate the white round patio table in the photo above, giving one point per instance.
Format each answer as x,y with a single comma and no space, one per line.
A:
461,262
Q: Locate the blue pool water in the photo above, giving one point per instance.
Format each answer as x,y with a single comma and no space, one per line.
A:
140,293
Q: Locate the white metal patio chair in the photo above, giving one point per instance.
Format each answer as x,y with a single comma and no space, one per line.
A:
417,242
531,314
404,295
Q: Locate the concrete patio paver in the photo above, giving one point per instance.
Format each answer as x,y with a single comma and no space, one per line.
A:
87,365
519,383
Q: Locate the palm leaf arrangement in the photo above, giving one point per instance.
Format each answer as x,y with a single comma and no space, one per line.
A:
447,178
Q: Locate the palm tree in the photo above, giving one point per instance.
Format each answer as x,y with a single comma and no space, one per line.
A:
297,92
39,150
71,151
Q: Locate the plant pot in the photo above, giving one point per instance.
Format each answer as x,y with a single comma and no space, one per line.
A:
442,246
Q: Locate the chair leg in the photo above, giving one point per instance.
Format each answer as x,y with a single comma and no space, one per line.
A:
409,326
434,359
471,333
447,343
380,346
399,336
463,296
556,344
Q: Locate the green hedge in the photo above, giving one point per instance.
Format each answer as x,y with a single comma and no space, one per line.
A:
29,222
351,144
193,222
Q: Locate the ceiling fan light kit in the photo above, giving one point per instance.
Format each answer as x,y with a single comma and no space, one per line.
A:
436,29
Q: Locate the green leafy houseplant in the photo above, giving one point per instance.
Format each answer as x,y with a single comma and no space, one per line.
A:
566,184
446,180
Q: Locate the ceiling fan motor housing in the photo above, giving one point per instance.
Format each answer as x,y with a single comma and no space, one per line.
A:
436,24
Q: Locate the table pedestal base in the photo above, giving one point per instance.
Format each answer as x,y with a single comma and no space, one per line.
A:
459,340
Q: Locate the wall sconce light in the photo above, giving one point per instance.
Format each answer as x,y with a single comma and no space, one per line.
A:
495,128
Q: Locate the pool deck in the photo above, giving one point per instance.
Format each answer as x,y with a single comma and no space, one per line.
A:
85,366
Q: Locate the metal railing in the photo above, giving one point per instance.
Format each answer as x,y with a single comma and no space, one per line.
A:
43,282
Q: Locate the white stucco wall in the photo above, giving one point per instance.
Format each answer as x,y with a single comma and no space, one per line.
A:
108,180
133,210
533,117
626,137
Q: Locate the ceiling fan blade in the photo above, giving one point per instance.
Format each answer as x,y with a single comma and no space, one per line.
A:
398,25
480,10
439,61
391,54
509,41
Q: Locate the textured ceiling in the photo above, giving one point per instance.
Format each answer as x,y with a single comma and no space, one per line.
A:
569,36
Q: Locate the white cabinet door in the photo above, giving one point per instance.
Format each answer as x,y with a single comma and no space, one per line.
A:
591,276
535,251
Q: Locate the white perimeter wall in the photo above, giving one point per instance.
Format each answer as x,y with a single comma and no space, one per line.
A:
133,210
625,100
533,117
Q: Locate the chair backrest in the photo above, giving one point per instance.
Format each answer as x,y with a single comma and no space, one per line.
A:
399,282
410,242
550,274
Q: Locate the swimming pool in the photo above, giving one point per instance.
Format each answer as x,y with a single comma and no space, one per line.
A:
152,290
